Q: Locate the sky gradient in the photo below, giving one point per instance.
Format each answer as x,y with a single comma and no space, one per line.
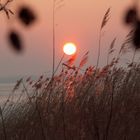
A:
77,21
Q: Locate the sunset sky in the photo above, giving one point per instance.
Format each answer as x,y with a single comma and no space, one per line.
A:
78,21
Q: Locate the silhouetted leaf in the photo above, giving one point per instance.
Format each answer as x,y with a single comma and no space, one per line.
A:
15,41
136,39
4,7
131,16
26,16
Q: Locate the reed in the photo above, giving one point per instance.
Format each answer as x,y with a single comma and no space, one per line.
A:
76,104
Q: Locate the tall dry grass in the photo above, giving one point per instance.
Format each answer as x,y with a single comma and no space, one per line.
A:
76,106
97,104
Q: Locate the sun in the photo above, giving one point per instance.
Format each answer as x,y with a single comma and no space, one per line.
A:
69,48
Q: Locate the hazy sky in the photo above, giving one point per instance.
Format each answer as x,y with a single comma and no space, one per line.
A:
77,21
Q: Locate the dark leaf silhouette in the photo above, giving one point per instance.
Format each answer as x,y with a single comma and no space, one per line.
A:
4,7
136,39
15,41
26,16
131,16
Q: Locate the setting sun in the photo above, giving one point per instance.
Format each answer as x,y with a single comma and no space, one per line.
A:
69,48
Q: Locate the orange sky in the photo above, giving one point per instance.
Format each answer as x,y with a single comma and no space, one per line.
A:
77,21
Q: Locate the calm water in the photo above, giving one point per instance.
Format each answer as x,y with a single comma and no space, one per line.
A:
5,90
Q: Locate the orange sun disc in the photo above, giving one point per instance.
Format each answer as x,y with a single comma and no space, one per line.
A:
69,48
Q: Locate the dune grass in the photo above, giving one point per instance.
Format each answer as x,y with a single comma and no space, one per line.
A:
75,106
95,104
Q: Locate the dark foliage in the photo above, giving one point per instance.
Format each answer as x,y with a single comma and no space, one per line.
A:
136,40
131,16
78,106
15,41
4,7
26,16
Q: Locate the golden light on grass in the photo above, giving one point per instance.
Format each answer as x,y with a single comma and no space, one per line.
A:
69,48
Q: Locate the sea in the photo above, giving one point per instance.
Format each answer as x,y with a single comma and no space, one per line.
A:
7,84
6,88
5,91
